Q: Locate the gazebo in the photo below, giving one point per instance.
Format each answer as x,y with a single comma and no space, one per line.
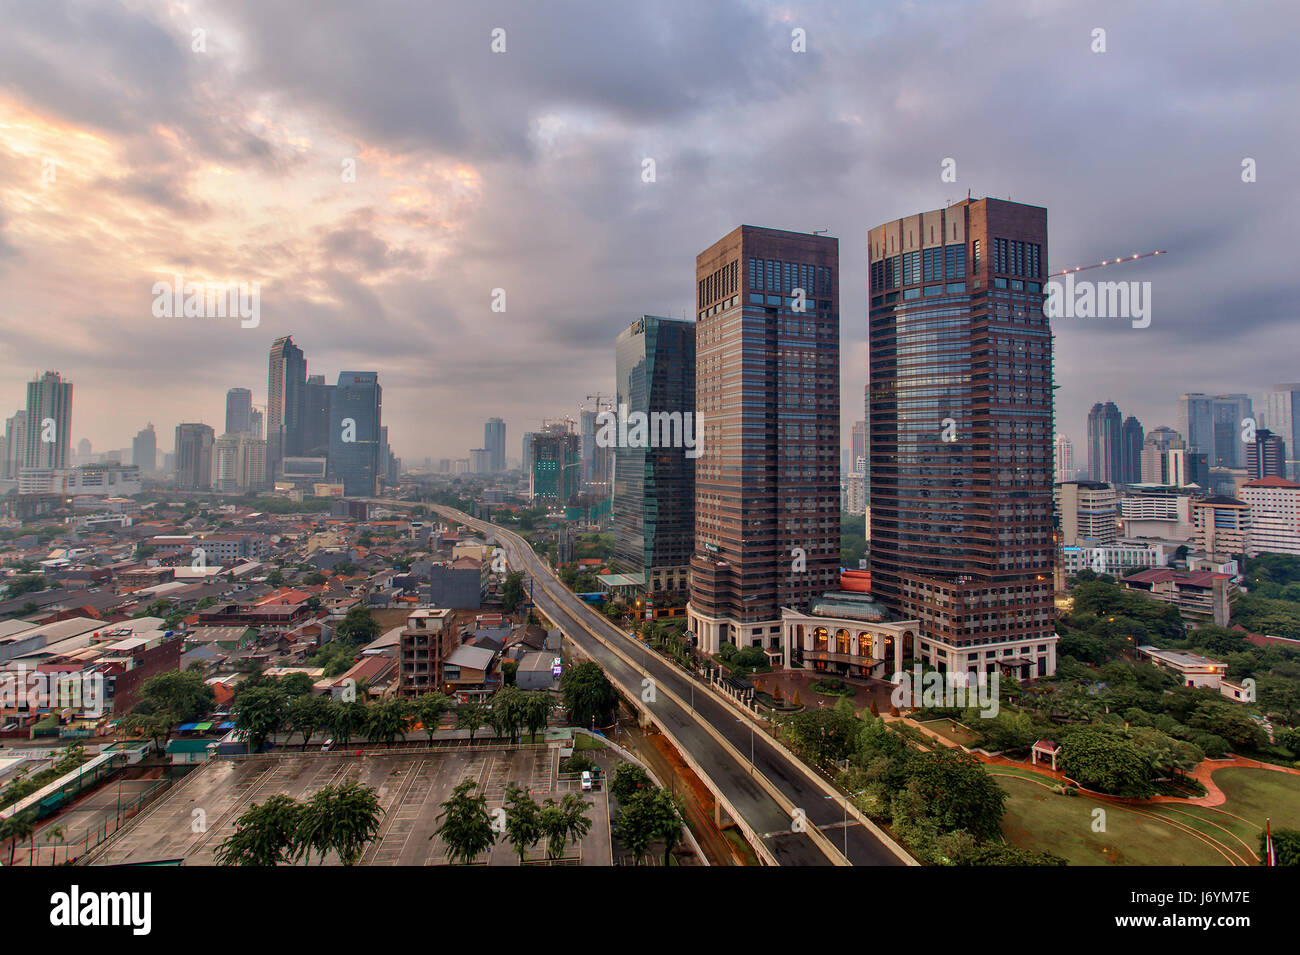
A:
1047,749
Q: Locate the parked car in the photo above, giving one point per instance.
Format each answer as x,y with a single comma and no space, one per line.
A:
586,780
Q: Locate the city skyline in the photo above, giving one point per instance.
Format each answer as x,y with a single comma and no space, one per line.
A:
398,267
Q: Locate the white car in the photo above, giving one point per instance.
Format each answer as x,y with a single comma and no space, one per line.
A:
586,780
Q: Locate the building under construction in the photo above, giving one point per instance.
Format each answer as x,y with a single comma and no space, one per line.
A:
556,472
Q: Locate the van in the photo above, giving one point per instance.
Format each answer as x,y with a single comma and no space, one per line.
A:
329,745
586,780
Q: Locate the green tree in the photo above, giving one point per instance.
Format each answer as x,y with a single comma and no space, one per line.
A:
958,793
588,695
564,822
1286,844
523,820
472,717
346,719
1105,762
465,825
25,585
635,826
628,780
387,720
265,835
342,818
512,592
357,627
296,684
307,714
174,697
15,829
429,709
259,714
507,713
537,708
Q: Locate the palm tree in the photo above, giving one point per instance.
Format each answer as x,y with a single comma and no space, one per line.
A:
53,834
16,829
563,823
429,708
471,716
465,827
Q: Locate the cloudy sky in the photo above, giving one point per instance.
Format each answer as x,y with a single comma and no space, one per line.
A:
133,148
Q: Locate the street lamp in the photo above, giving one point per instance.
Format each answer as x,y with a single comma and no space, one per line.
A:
741,719
846,817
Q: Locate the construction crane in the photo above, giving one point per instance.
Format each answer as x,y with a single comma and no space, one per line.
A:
1105,262
598,398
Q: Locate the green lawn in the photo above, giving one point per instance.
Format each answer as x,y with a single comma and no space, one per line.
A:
1038,818
958,734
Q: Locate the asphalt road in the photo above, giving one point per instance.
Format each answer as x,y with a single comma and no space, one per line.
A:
732,777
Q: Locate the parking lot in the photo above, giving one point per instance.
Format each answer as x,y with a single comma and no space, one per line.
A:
192,820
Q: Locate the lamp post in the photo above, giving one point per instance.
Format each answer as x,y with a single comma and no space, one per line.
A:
846,817
740,719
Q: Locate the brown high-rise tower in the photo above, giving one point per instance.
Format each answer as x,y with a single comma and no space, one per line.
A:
960,434
767,397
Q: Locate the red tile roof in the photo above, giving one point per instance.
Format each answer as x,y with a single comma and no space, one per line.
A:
1271,481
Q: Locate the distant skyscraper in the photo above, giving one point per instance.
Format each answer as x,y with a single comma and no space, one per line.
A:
48,435
15,446
1157,465
194,445
526,461
355,413
1282,416
857,444
239,463
239,411
1104,449
1266,456
1130,451
144,450
480,461
316,417
255,424
494,441
767,396
1063,459
654,487
286,386
1212,424
961,435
